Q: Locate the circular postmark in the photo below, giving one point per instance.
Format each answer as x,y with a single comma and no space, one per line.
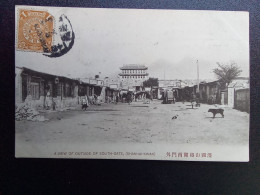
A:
64,37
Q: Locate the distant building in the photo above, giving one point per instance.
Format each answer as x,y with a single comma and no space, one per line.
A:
238,89
133,76
172,84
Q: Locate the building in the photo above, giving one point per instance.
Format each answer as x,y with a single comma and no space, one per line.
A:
209,92
31,87
238,88
238,91
133,76
173,84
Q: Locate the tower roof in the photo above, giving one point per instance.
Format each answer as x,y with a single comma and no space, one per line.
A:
133,67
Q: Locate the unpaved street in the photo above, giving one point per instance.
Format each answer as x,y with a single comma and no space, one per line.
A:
137,123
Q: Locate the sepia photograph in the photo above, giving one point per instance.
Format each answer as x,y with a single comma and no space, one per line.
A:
148,84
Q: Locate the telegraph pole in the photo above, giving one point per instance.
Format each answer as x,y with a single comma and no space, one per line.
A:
164,77
198,76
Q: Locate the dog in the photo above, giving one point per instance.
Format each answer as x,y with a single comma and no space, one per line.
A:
216,111
175,117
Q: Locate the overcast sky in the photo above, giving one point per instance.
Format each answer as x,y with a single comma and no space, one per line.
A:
166,41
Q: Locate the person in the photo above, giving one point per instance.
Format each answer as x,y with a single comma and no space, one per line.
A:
48,100
197,99
117,99
129,98
193,99
53,104
98,100
85,103
151,95
124,97
95,99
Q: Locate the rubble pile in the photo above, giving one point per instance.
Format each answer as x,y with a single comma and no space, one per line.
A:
23,112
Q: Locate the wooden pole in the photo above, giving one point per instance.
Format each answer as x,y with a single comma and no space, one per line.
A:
198,79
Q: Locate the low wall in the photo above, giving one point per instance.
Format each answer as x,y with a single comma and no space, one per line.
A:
36,104
59,103
66,102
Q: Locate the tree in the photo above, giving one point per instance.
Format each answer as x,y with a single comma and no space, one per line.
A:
226,73
151,82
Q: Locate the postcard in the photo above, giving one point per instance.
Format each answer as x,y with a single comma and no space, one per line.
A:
145,84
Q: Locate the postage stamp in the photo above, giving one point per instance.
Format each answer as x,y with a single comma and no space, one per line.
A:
41,31
35,31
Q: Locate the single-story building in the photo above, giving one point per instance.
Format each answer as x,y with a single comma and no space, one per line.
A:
38,89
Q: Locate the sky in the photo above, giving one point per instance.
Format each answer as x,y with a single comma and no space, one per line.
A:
168,42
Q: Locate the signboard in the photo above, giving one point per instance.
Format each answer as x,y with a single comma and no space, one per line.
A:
100,82
113,86
92,81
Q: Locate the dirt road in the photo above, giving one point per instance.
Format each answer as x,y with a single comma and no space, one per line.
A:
137,123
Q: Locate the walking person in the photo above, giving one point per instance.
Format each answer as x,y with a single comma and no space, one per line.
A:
117,99
129,98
